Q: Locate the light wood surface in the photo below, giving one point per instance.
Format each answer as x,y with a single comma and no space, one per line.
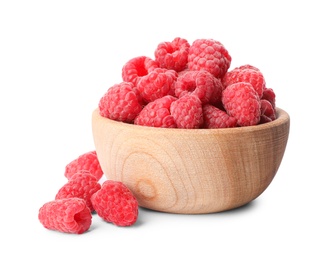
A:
191,171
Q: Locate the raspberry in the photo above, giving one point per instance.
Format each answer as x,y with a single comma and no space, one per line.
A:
245,74
241,101
81,185
173,55
121,103
87,162
115,203
187,112
157,113
69,215
200,83
269,95
217,118
267,110
209,55
137,67
157,83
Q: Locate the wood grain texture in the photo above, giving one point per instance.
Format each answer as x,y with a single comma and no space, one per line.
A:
191,171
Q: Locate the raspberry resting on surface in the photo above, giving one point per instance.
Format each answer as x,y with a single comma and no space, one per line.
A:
69,215
115,203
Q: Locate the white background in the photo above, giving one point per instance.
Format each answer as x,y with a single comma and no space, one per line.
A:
57,58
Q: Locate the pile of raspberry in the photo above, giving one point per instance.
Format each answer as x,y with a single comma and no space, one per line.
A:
84,194
184,86
189,86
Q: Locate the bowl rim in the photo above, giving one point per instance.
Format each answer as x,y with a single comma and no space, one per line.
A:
282,118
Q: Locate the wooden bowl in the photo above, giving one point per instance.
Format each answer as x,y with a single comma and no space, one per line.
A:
191,171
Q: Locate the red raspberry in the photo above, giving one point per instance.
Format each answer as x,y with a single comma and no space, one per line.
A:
157,83
267,111
246,74
241,101
173,55
187,112
200,83
121,102
157,113
81,185
269,95
137,67
87,162
217,118
66,215
115,203
209,55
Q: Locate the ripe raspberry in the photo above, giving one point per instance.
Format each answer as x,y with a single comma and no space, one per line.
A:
81,185
241,101
187,112
121,102
217,118
137,67
157,113
87,162
209,55
245,74
173,55
157,83
269,95
66,215
267,111
115,203
200,83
